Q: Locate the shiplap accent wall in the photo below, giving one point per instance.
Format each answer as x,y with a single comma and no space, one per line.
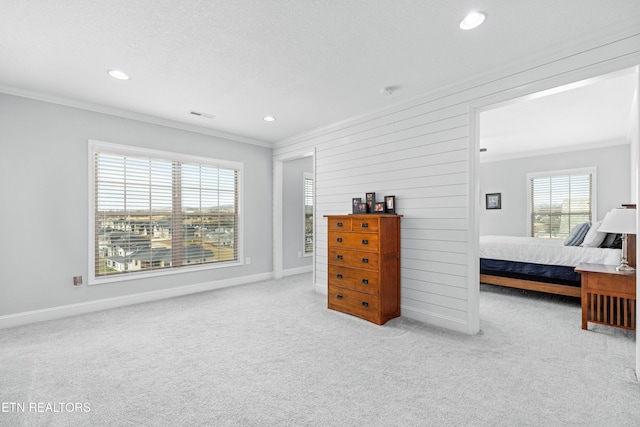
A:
425,154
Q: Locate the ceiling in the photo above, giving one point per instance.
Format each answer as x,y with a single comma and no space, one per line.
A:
587,114
309,63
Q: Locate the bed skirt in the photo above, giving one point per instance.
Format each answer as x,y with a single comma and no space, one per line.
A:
554,274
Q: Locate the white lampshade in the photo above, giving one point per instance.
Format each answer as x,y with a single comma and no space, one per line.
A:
622,221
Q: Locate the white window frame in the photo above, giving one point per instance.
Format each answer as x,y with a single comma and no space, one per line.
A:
97,146
306,176
577,171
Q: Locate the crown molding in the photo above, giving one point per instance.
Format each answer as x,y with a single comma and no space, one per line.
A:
556,150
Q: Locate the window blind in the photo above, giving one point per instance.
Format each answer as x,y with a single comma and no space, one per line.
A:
308,215
155,214
559,203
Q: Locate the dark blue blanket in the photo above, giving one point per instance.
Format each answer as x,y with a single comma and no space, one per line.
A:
529,271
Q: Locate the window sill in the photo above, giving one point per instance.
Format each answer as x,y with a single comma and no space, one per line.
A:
160,273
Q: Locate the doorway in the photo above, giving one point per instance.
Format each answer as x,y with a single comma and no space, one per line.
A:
294,214
513,215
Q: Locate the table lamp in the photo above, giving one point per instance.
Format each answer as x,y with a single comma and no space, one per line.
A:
621,221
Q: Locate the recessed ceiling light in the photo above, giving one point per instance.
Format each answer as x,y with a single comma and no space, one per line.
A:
117,74
269,119
472,20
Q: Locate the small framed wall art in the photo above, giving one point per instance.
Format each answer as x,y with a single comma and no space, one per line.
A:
494,200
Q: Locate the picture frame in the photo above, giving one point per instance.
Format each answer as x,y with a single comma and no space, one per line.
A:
370,199
354,203
378,207
361,208
390,204
493,200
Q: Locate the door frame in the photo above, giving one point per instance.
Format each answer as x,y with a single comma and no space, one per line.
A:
513,95
278,209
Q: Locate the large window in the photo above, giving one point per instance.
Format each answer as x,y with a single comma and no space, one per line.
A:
308,214
159,212
558,201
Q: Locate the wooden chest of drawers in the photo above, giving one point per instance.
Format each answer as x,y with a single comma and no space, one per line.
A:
364,266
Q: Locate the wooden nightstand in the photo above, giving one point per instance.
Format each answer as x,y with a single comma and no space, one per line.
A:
608,296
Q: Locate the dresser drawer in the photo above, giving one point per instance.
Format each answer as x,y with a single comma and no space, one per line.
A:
365,225
341,224
355,303
608,283
356,279
355,259
361,241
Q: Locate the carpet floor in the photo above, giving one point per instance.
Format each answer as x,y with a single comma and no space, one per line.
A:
272,354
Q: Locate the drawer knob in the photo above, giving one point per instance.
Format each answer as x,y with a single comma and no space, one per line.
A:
339,276
365,225
365,281
339,240
339,296
339,224
339,256
365,242
365,304
365,260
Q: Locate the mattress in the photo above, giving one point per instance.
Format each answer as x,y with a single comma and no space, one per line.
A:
544,251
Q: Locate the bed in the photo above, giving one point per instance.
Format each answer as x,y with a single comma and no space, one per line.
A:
543,265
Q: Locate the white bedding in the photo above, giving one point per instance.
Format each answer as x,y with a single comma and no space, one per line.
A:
544,251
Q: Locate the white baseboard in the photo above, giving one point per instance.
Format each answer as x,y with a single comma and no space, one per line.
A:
412,313
299,270
436,320
321,288
27,317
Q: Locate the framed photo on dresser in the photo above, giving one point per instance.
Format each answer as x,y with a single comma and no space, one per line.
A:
390,204
371,200
355,202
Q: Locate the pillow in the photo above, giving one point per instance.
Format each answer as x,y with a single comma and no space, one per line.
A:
577,234
594,238
612,241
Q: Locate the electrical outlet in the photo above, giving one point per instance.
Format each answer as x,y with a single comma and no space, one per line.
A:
77,280
299,254
248,261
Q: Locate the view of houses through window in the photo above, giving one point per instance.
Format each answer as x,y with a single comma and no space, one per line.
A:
153,214
560,201
308,213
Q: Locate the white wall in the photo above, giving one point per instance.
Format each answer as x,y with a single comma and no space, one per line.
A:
634,138
44,175
425,152
635,161
509,177
293,214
